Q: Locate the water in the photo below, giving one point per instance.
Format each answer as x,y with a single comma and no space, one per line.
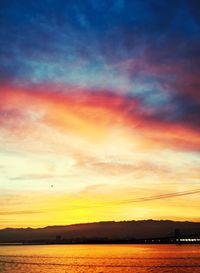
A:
100,259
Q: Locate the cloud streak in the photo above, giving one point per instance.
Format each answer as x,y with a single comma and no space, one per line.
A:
23,212
163,196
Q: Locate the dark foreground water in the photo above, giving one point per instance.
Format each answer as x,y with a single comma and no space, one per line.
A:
100,258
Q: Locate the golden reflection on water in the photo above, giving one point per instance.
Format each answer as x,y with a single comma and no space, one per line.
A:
100,258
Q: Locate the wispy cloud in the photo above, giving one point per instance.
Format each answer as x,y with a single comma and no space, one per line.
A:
36,177
17,212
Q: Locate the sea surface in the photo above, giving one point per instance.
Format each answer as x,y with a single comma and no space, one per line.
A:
100,259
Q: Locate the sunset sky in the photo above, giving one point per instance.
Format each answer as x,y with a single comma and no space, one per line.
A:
99,111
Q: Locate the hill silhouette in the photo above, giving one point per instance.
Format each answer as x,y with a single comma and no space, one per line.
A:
110,230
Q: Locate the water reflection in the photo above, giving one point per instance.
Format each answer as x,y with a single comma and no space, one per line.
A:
100,258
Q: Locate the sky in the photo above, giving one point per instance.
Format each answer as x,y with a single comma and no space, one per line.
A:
99,111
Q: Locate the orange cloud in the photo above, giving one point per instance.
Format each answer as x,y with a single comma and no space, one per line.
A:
92,115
